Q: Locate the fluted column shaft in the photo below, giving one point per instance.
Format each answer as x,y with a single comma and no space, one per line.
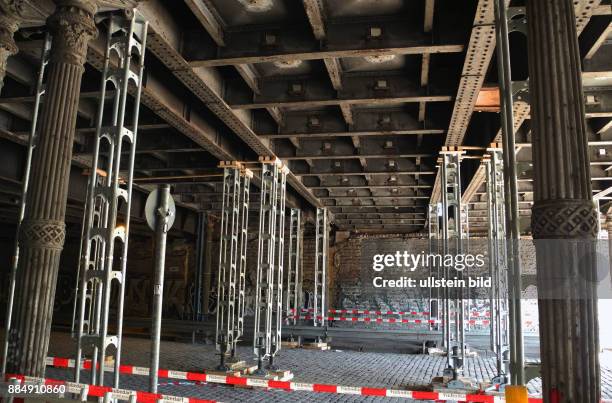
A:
43,229
564,221
10,17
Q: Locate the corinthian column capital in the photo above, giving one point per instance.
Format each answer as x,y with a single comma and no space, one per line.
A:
11,12
72,26
10,17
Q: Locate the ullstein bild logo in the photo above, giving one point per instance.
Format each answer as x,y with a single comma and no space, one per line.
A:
411,262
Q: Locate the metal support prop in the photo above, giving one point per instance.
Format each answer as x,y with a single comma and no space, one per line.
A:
32,140
232,259
292,306
125,44
245,183
199,276
517,370
465,293
161,231
498,269
279,262
434,270
266,249
452,239
320,274
228,262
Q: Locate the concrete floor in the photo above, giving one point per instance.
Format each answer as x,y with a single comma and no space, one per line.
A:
350,368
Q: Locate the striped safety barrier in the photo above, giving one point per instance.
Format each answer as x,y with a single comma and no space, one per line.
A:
475,314
483,322
366,312
85,390
299,386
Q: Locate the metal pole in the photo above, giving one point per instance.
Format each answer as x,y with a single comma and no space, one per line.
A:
161,232
515,286
199,265
24,190
492,255
210,228
446,293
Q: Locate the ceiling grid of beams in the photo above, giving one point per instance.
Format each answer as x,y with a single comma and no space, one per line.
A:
356,96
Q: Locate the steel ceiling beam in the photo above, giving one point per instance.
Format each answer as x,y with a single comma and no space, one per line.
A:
344,39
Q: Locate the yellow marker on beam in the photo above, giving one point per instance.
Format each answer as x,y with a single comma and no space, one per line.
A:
516,394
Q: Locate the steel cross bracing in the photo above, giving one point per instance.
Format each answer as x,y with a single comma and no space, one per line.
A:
246,176
279,260
434,270
498,269
32,140
465,236
266,249
294,274
126,41
320,274
228,259
452,240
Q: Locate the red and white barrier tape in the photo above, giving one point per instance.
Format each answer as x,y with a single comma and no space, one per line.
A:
102,391
483,322
474,314
296,386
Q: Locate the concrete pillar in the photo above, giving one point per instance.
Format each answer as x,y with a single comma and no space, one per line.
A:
564,220
10,17
210,228
43,229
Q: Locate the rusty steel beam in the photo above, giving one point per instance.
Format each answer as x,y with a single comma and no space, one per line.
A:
313,92
207,17
354,156
377,122
343,39
370,187
366,173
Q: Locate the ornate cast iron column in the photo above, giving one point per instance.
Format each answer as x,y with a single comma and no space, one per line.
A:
564,221
43,229
10,17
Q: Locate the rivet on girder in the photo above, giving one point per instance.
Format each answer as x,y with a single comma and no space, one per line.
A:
270,39
381,85
375,32
313,121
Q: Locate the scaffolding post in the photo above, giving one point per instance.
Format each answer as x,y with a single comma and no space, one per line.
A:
125,45
498,268
266,249
433,221
292,306
228,262
200,241
32,140
245,179
452,239
278,266
320,274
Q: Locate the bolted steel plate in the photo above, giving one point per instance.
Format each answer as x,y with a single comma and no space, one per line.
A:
151,210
